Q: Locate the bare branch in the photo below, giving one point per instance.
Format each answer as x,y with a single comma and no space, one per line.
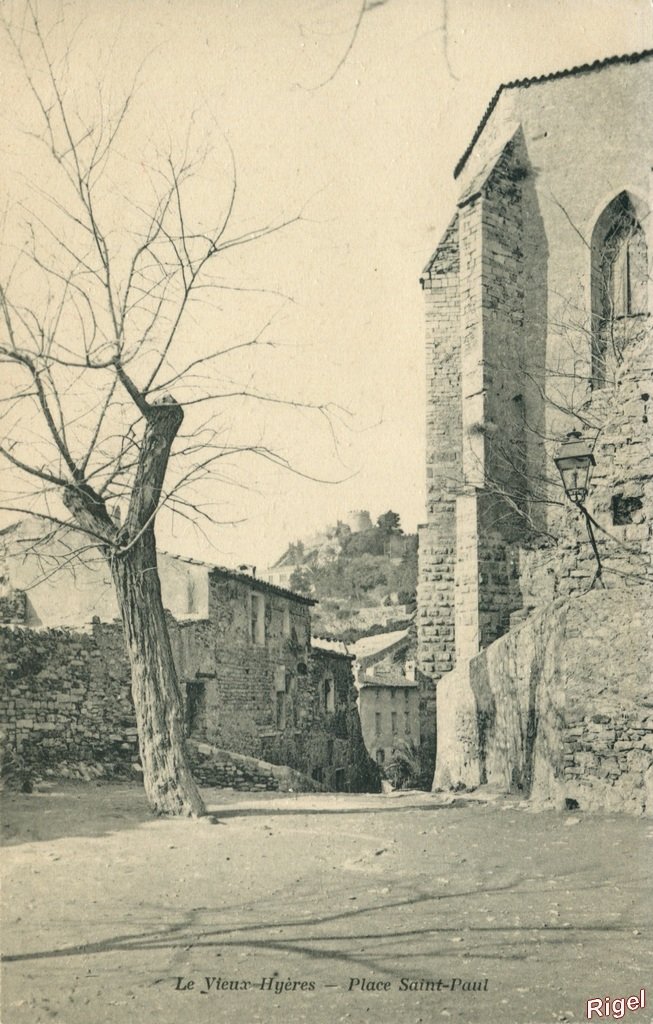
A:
42,474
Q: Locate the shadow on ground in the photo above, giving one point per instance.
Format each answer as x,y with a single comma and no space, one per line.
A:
62,812
57,813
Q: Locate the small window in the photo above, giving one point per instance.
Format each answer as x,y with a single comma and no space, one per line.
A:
257,618
329,697
195,705
377,723
281,710
624,510
380,756
393,719
407,723
280,679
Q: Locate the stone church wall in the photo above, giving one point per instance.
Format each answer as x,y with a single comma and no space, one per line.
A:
559,709
437,541
512,304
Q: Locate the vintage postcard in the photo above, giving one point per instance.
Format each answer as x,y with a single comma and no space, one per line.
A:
326,511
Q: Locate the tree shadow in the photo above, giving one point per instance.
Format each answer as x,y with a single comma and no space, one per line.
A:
333,936
244,812
84,810
88,810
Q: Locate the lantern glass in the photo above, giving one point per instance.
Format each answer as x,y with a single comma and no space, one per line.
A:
575,461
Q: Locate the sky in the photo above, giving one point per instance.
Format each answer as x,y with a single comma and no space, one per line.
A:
365,148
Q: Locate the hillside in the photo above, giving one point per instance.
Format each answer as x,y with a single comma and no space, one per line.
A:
364,580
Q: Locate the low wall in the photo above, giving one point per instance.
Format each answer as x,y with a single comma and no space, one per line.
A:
65,699
225,769
558,709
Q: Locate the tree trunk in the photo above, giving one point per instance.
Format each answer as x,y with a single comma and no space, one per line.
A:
168,781
131,553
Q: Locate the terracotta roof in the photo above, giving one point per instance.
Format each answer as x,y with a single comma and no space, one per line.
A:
186,558
397,683
380,644
255,581
326,645
259,584
524,83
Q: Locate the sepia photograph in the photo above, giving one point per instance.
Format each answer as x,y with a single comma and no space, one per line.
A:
326,511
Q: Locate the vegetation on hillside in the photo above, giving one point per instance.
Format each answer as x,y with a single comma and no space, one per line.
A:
370,568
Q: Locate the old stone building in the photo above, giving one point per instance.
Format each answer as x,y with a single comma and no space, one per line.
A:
389,711
538,302
251,680
388,694
57,584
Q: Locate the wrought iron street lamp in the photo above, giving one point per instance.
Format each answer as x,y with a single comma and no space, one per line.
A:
575,461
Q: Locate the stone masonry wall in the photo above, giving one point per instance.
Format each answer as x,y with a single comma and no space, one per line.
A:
239,704
334,741
550,159
437,546
66,711
13,606
267,699
509,427
66,698
242,709
620,497
505,484
546,713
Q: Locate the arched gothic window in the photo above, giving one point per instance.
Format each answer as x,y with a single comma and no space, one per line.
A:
619,282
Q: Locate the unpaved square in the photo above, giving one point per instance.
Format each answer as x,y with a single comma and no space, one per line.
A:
315,907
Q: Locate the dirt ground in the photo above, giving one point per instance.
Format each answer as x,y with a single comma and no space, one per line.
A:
313,908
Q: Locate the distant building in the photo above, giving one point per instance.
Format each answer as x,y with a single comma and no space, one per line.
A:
359,520
281,571
388,695
323,546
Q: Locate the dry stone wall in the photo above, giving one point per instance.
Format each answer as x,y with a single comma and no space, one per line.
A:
66,698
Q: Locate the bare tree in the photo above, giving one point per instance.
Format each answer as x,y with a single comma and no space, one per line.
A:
92,313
